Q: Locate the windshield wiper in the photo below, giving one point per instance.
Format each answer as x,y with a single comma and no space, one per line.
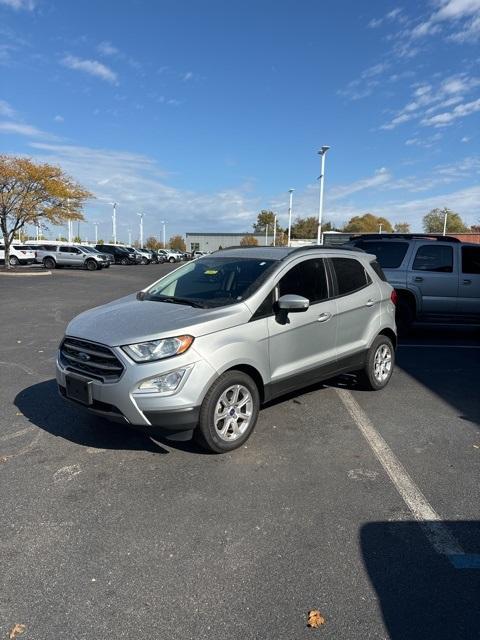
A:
174,300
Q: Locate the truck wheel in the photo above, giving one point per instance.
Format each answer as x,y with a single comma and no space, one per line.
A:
379,365
171,259
14,261
228,413
49,263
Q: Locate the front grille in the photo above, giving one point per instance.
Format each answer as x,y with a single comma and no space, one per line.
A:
90,359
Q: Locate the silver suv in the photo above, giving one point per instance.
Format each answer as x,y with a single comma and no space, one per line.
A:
66,255
436,277
202,348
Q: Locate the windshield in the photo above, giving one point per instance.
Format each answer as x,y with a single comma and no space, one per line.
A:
89,249
211,282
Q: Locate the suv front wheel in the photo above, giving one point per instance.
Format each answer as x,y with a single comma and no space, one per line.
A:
228,413
379,364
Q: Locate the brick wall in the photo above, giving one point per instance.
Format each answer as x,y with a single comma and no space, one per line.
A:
467,237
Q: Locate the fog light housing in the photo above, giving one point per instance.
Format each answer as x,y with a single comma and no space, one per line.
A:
164,383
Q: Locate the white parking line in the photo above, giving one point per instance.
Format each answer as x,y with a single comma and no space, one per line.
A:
436,531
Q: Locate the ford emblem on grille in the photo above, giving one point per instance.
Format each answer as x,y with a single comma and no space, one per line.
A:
83,356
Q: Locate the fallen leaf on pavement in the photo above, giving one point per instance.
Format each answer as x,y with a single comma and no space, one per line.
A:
17,630
315,619
477,446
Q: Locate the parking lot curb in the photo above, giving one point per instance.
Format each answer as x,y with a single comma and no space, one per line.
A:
26,273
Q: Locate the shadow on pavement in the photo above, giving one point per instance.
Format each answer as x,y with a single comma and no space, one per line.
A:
43,406
421,594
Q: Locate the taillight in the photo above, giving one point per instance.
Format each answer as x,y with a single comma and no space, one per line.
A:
394,297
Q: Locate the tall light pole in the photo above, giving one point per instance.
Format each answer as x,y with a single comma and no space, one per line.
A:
164,222
290,209
445,223
380,228
322,153
274,229
114,222
140,215
95,224
129,237
266,235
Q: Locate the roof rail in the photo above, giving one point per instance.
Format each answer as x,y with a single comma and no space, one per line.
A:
405,236
307,247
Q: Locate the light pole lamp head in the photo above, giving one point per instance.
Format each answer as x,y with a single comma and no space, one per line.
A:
324,150
291,190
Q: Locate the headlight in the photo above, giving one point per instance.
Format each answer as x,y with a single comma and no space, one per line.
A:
166,383
158,349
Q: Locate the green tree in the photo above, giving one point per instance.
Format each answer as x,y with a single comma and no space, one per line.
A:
368,223
77,239
402,227
434,221
305,228
101,241
33,193
248,241
177,243
152,243
264,218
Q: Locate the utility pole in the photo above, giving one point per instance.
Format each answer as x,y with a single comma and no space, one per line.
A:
164,222
129,237
95,224
380,228
275,230
445,223
141,229
290,208
266,235
322,153
114,222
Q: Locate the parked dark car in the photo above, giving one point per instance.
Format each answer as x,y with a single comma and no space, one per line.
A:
157,258
120,254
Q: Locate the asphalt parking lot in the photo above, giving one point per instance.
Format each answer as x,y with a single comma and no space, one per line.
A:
362,505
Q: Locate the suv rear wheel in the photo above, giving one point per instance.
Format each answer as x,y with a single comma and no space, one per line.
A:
379,365
228,413
49,263
14,261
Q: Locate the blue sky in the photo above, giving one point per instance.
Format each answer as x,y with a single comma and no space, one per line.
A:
203,113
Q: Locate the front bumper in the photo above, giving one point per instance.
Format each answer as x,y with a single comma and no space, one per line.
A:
173,416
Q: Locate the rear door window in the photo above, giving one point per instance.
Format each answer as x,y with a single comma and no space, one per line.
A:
307,279
351,275
471,260
434,257
390,254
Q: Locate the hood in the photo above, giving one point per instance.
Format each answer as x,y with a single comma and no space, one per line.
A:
128,320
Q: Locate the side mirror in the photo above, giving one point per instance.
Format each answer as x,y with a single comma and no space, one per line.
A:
140,295
291,303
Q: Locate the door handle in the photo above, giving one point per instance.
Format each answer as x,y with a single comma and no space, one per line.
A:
323,317
370,303
418,279
467,282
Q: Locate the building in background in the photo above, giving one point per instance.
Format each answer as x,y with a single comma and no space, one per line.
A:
214,241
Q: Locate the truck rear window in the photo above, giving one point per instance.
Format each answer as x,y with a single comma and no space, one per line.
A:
389,254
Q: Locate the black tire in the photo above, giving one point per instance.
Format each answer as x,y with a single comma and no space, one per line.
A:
91,265
404,315
124,261
370,377
14,261
171,259
49,263
206,433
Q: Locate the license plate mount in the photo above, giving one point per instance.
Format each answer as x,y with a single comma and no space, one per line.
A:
79,389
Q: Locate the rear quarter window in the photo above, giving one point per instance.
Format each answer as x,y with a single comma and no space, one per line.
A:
378,270
471,259
389,254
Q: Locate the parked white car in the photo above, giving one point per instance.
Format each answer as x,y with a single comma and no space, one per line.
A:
18,254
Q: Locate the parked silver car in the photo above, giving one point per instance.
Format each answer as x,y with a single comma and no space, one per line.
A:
202,348
53,255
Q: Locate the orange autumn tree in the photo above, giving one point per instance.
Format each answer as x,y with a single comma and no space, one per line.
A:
37,194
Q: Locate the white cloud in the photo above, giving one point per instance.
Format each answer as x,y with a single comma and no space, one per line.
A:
22,130
447,117
391,16
380,177
454,9
59,118
28,5
92,67
107,49
465,139
6,110
425,143
188,76
138,183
